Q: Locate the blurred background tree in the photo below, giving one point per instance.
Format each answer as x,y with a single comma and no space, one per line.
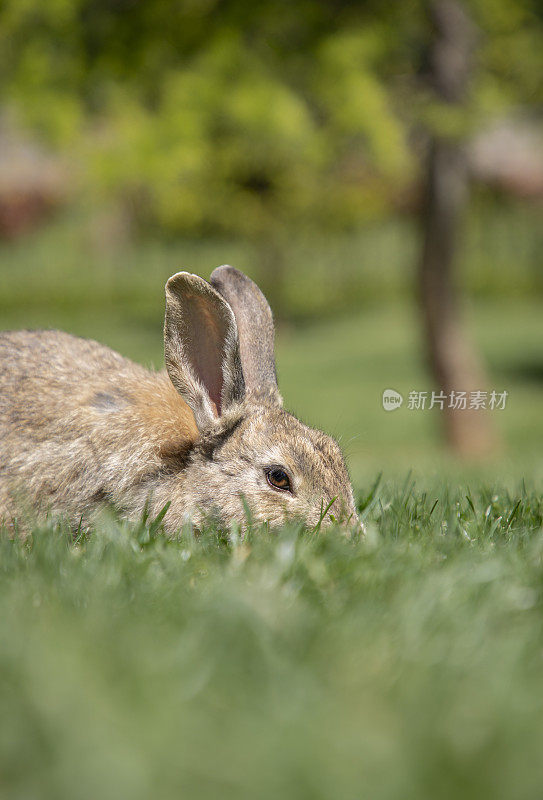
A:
287,137
226,116
453,359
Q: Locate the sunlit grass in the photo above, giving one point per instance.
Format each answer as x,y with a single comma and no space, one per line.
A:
406,663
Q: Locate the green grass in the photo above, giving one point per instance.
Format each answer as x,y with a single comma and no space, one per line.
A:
403,664
332,368
333,375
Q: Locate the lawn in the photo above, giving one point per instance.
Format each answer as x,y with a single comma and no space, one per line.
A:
333,367
406,663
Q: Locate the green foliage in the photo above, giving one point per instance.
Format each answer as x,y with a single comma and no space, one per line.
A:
245,118
403,663
511,53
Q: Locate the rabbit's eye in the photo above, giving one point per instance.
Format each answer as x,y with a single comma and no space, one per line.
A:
278,478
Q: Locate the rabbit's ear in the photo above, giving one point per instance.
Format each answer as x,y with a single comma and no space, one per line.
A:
256,331
201,347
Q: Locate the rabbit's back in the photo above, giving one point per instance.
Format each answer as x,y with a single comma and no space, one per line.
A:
46,376
40,368
79,423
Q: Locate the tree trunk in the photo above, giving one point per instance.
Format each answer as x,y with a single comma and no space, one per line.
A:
452,358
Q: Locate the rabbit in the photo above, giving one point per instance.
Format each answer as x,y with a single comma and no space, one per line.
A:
81,426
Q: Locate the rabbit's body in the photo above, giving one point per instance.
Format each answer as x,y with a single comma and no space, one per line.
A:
81,426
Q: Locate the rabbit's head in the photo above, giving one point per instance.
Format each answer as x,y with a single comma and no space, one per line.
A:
252,458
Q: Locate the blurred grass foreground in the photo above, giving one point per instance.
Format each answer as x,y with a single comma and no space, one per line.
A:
406,663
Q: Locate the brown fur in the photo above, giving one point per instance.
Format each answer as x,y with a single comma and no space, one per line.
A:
80,425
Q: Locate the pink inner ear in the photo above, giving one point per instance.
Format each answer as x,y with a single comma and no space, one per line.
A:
206,334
